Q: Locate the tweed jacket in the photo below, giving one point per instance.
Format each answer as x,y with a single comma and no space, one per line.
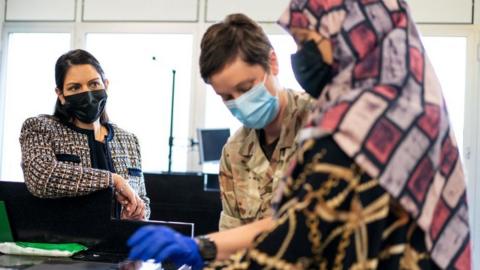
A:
57,159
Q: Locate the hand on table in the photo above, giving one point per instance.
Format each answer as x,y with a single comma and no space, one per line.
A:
164,244
132,206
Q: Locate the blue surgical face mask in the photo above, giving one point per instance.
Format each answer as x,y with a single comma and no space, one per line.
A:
256,108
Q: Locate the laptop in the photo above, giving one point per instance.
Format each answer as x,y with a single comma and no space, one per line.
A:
5,230
113,246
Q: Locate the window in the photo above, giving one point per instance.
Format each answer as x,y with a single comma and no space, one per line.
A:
284,47
139,68
30,89
449,59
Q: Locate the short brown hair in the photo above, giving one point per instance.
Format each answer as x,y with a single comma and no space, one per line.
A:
236,35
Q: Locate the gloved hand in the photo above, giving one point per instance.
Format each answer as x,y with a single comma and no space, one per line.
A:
164,244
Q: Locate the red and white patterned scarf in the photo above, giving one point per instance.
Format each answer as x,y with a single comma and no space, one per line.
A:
386,110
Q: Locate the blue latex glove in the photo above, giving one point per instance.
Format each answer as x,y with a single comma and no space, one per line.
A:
164,244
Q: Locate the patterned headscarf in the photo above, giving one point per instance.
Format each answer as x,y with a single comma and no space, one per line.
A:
385,109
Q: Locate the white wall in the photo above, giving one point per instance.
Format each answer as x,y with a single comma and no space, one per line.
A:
40,10
141,10
442,11
425,11
2,11
261,11
476,17
2,19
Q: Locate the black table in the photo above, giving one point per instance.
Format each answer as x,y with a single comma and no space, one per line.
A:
48,263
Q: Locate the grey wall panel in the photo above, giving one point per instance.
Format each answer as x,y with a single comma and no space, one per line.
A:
40,10
442,11
424,11
259,10
140,10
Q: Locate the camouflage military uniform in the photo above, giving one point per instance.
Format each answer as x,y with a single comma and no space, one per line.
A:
247,178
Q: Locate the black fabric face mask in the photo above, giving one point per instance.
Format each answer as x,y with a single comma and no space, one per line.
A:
311,71
87,106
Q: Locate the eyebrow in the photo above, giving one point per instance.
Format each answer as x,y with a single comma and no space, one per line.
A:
96,79
76,83
242,83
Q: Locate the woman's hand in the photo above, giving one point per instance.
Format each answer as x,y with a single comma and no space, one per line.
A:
138,213
126,196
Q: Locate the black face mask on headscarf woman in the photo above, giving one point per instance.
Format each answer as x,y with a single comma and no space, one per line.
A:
87,106
311,71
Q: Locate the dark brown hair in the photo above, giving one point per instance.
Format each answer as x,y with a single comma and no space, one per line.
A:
64,62
236,35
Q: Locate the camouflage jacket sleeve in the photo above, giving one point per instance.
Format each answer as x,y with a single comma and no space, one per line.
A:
142,191
230,216
45,177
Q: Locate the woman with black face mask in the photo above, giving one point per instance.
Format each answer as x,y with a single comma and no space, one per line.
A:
77,150
312,63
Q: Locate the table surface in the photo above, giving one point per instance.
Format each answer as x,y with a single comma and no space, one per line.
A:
12,262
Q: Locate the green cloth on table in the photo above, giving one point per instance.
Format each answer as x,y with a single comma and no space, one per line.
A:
8,246
41,249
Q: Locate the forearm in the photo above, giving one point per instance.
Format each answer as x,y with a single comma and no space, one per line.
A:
50,179
233,240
